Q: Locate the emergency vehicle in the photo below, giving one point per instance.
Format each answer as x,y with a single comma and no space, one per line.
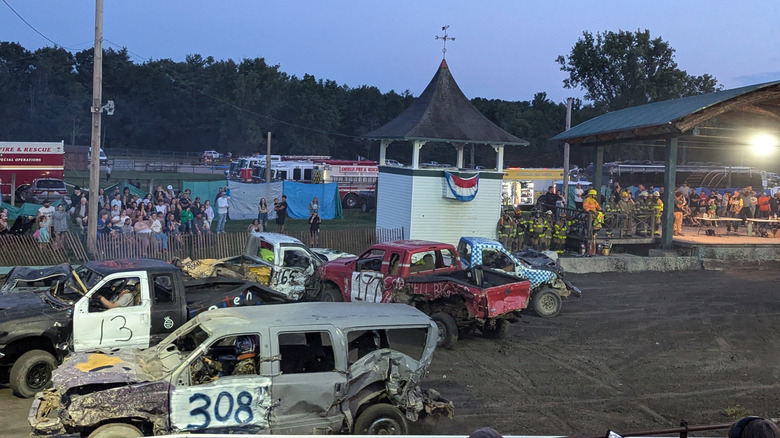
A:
298,171
521,186
242,169
23,162
356,179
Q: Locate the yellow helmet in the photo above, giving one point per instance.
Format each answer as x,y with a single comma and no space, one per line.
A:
592,192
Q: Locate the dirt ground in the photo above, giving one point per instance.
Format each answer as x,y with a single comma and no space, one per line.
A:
637,352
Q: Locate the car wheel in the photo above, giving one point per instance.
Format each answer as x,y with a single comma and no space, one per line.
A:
380,419
351,200
32,373
498,330
546,303
448,329
330,294
116,430
364,205
24,195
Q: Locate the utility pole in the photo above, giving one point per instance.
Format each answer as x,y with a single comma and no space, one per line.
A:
97,111
566,148
268,158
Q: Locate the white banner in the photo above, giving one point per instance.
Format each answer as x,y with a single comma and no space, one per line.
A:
244,198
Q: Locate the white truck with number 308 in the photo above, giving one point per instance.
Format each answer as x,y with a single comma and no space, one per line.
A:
301,368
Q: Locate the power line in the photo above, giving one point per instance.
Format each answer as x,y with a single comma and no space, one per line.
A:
34,29
233,105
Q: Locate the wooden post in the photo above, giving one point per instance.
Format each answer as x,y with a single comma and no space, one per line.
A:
598,161
670,170
97,111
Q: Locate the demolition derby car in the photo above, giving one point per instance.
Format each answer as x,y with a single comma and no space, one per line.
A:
300,368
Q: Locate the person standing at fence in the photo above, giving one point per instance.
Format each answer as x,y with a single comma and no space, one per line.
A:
186,218
60,225
157,230
222,211
209,214
262,214
281,214
314,229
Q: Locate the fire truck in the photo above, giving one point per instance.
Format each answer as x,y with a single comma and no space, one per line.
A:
356,180
23,162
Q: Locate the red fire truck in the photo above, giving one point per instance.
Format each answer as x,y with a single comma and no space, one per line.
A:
23,162
356,179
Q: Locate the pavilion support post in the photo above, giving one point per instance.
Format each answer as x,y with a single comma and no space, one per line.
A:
598,162
670,170
383,144
459,160
416,153
499,148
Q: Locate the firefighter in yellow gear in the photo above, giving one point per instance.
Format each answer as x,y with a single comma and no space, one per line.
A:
611,215
545,239
520,231
658,206
591,205
536,230
645,214
559,234
506,229
627,209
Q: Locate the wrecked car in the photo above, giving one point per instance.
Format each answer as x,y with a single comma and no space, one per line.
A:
549,287
24,278
303,368
41,322
428,276
279,261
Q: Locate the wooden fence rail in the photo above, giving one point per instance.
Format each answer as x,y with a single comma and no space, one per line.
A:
26,251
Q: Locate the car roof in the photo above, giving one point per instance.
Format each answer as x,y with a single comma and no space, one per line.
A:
294,316
107,267
414,244
276,238
481,241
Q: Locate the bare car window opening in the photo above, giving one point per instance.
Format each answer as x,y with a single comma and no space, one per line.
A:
306,352
371,261
163,286
409,341
228,356
363,342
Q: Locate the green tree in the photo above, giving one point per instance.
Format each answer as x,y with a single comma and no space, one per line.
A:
623,69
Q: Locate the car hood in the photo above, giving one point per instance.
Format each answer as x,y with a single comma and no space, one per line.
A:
118,366
331,254
20,305
60,272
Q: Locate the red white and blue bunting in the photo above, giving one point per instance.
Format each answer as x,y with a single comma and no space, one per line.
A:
462,189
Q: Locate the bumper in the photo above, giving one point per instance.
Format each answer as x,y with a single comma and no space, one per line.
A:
43,416
574,289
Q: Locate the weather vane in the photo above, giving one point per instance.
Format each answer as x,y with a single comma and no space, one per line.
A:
445,38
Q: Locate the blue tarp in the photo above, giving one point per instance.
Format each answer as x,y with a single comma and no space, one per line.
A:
299,195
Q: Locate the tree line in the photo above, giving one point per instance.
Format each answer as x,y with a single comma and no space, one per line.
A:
202,103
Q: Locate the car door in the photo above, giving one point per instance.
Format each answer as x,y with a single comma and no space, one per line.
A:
292,271
308,379
209,394
122,327
368,277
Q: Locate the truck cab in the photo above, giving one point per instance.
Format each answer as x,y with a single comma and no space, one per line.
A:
548,285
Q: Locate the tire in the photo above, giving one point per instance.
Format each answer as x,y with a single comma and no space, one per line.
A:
498,331
546,303
351,200
24,195
364,206
32,373
330,294
116,430
381,419
448,329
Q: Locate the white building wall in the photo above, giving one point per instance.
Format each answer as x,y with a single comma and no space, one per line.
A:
393,208
416,200
439,218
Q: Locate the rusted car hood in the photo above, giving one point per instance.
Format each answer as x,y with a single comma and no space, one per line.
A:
118,366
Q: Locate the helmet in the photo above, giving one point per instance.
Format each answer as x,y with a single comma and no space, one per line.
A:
548,213
656,193
624,194
644,193
245,347
592,192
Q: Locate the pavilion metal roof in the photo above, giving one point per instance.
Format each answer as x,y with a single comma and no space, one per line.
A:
443,113
673,117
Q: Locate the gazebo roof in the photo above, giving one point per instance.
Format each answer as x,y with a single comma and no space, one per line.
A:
674,117
443,113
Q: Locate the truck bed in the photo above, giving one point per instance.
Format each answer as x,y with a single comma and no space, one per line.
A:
205,293
475,277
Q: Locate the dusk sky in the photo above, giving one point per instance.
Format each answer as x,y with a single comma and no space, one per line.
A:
502,49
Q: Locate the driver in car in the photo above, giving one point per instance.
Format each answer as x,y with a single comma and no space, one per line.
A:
124,298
